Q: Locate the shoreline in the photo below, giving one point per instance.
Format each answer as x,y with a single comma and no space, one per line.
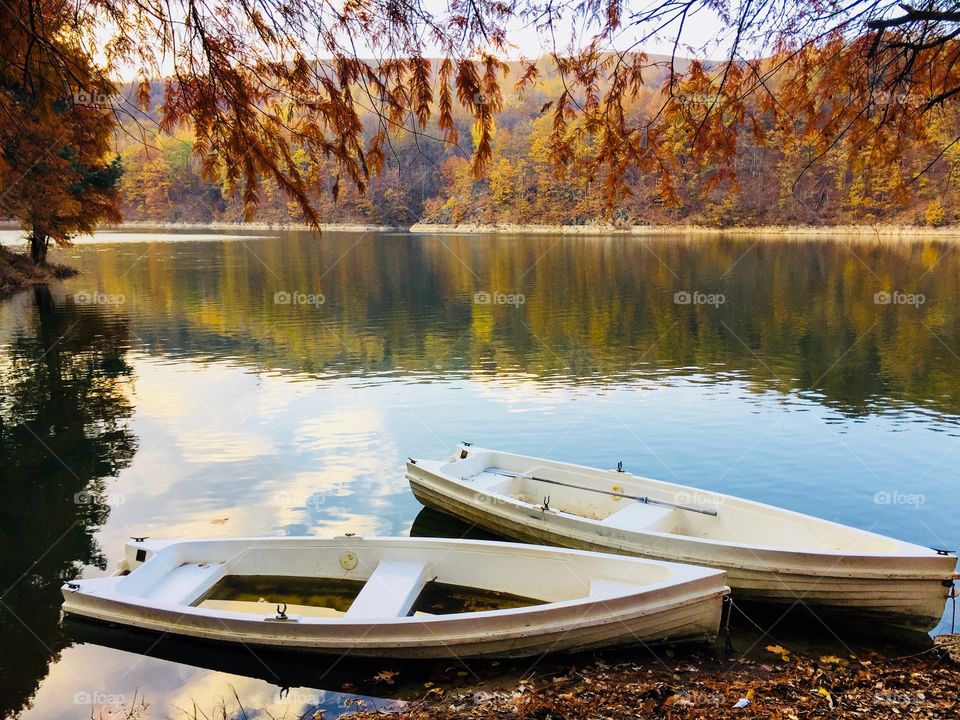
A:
808,231
594,229
866,232
256,225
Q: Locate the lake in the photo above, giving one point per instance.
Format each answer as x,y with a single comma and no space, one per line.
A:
204,385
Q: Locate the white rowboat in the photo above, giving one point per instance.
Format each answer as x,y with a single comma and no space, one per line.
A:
771,555
401,597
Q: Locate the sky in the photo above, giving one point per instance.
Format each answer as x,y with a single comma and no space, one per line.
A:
702,36
700,30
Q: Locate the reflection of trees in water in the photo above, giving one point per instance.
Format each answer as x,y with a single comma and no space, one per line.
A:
63,412
797,316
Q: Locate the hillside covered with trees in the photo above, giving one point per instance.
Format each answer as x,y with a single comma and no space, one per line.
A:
778,176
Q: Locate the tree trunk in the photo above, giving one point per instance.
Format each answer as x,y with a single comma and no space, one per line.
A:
39,242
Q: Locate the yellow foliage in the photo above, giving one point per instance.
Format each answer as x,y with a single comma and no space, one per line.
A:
936,214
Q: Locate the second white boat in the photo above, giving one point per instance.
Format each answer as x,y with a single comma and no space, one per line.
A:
771,555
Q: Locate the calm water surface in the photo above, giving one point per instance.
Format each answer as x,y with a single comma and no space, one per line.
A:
255,384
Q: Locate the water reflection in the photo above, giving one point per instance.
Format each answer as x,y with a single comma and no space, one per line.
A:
307,684
795,316
254,417
431,523
64,403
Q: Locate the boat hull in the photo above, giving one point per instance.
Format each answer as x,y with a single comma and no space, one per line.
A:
686,611
907,594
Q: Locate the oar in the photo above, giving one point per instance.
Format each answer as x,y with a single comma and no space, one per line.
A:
640,498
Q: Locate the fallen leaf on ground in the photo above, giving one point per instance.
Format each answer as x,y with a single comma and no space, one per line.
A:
386,676
779,650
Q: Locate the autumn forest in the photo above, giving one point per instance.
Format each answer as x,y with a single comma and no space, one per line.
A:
426,180
795,113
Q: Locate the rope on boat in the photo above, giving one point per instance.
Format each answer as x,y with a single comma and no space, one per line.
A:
727,642
885,661
734,606
953,608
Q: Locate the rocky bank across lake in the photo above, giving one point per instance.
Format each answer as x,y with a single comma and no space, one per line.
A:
908,232
776,231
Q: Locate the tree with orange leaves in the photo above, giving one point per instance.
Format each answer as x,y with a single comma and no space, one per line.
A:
57,176
61,184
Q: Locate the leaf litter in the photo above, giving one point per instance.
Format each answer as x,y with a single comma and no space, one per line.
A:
698,687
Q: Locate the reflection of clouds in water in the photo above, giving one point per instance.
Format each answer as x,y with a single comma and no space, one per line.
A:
112,678
90,672
180,399
352,522
339,430
207,690
260,699
160,391
212,445
306,493
267,464
279,393
155,470
353,452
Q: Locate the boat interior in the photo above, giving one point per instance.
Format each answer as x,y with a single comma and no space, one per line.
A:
357,581
597,496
